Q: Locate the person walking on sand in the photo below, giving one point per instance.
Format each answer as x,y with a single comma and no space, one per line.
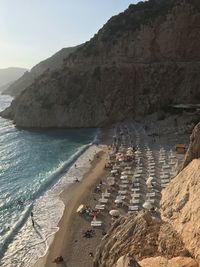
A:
33,223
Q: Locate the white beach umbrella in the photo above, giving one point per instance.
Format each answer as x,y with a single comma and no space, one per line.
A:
149,180
114,213
118,201
147,205
111,182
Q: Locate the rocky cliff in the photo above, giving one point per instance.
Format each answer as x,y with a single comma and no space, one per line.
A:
193,151
180,200
52,63
141,60
181,206
145,239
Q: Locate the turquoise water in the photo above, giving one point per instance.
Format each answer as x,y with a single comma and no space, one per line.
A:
30,163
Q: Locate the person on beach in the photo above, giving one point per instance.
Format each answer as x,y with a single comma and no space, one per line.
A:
77,180
75,165
58,259
32,220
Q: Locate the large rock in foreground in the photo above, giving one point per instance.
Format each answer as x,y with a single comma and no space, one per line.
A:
181,206
164,262
140,237
193,151
144,59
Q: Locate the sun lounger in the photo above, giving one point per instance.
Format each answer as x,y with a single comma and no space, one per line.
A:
135,190
99,207
135,185
120,197
136,196
125,181
137,175
172,157
152,173
152,194
166,167
134,208
164,176
96,223
123,185
134,201
122,192
127,168
151,163
105,195
172,163
103,200
151,168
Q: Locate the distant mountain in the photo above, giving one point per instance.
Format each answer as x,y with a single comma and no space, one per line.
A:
5,86
9,75
52,63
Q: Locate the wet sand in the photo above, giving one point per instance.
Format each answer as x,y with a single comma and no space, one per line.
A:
71,225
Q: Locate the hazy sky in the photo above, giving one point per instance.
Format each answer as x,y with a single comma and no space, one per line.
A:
32,30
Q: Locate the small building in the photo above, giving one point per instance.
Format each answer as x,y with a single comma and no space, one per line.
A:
180,149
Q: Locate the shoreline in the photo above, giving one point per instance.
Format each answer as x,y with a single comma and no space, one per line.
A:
72,197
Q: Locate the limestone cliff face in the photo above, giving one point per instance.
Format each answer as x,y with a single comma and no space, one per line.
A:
141,60
193,151
180,203
181,206
164,262
139,237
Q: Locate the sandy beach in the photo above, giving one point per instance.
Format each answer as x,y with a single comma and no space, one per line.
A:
70,223
69,242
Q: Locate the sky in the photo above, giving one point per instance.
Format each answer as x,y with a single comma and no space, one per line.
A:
32,30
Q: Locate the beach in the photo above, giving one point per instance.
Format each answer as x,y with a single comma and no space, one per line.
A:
70,223
69,242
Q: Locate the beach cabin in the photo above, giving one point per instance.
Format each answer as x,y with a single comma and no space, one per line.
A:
180,149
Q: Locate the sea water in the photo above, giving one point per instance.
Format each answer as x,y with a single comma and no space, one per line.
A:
32,173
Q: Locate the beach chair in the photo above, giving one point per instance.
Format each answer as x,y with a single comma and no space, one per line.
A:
133,208
135,190
120,197
100,207
95,223
151,195
122,192
106,194
125,182
123,186
135,201
136,196
103,200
